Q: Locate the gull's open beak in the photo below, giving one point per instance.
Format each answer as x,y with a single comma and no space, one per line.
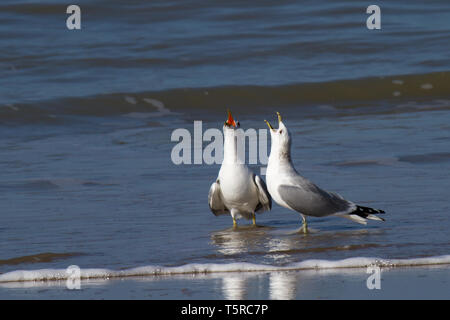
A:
269,125
230,120
279,117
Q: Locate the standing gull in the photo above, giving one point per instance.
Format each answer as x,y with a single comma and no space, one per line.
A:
290,190
237,190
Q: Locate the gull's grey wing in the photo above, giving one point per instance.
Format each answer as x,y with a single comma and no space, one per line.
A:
265,200
215,199
310,200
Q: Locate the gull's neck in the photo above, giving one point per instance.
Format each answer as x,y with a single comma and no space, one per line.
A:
280,155
230,153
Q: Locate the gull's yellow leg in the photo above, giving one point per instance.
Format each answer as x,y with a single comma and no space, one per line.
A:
234,223
304,227
254,219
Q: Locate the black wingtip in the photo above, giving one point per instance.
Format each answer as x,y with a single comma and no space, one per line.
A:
365,211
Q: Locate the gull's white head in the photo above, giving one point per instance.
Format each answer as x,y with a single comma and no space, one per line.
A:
281,139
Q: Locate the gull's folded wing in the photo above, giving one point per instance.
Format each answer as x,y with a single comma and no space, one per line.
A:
313,201
265,200
215,199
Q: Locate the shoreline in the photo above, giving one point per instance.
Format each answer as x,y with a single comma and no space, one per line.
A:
418,282
218,268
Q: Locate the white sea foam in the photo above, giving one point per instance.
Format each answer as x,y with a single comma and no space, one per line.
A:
398,81
427,86
130,100
160,107
210,268
162,110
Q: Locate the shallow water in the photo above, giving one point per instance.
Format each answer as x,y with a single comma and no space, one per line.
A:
120,205
85,130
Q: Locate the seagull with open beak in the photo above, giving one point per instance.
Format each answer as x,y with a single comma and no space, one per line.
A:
290,190
237,190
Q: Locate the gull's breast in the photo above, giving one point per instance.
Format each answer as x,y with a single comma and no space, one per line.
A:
238,188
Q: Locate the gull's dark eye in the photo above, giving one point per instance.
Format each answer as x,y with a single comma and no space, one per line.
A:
280,131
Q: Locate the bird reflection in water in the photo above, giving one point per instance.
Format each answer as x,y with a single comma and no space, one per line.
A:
235,286
283,285
276,249
251,241
241,240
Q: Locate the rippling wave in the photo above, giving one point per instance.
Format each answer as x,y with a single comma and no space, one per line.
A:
405,93
206,268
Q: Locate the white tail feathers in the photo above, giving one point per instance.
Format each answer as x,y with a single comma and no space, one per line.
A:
362,214
355,218
374,217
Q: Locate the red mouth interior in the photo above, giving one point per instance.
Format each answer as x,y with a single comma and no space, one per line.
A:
230,120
